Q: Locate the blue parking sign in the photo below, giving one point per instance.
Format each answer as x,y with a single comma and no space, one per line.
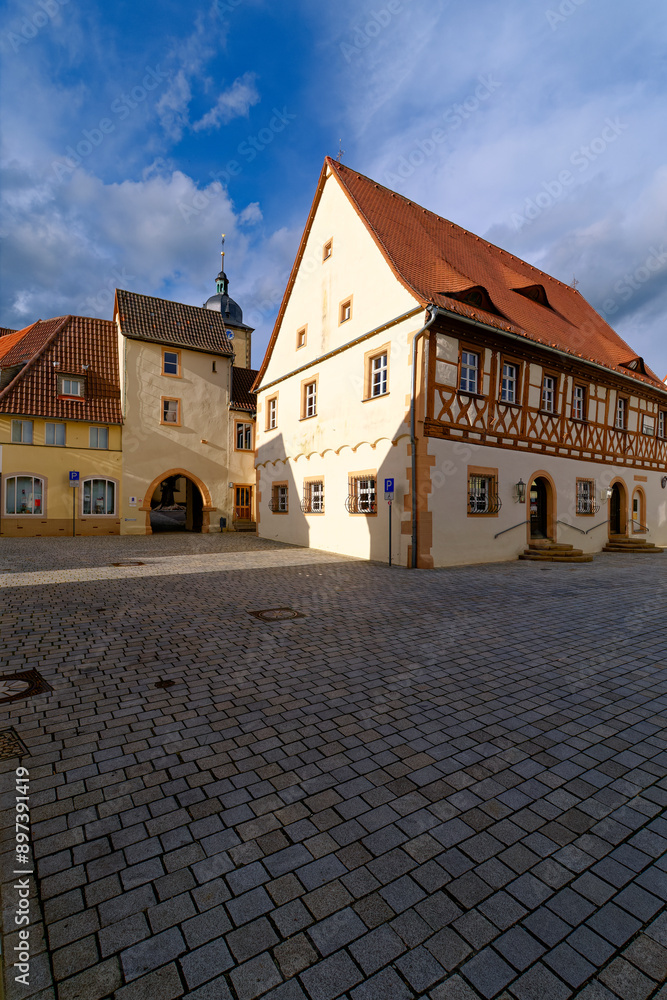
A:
74,478
389,485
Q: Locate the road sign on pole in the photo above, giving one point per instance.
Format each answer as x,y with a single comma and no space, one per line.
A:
74,481
389,489
74,478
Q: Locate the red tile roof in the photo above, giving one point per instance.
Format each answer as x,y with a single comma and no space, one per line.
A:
441,263
73,342
143,317
5,331
242,382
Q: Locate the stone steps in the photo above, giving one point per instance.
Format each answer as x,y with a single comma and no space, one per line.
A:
244,525
548,551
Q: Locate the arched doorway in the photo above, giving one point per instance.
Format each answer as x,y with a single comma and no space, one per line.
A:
177,501
618,510
541,508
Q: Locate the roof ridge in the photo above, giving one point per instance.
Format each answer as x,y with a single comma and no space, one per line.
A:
38,353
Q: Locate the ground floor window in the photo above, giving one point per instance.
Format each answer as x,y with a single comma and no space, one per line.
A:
24,495
279,502
313,497
483,495
362,495
586,497
99,496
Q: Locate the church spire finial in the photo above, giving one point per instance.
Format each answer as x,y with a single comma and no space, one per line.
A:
221,281
222,254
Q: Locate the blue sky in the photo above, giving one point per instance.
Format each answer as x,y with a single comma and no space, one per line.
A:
135,133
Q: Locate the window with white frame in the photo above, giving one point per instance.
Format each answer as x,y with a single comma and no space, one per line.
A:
621,413
171,411
313,497
272,413
99,496
483,495
24,495
379,375
22,431
578,403
69,386
171,363
362,495
469,379
310,399
279,502
243,436
661,424
510,383
54,434
586,503
99,437
549,394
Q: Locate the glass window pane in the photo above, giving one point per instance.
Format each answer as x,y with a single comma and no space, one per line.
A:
103,437
50,435
11,496
24,495
111,498
86,496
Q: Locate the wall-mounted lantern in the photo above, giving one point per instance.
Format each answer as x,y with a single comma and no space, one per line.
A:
605,494
520,491
663,482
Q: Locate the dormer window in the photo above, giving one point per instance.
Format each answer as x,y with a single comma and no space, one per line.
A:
70,386
536,293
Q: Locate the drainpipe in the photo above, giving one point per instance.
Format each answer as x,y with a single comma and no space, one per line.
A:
433,312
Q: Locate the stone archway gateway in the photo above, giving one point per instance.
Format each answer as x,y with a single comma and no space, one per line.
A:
177,500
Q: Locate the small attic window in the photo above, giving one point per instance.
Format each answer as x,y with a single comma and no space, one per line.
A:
536,293
635,365
477,297
327,250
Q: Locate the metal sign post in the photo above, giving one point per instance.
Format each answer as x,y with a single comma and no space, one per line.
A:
74,481
389,496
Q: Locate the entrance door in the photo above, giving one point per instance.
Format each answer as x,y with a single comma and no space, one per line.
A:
538,508
243,503
615,527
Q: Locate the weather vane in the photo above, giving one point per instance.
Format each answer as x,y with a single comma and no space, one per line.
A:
575,283
222,254
340,150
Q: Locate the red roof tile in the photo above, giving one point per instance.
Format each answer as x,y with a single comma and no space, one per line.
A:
143,317
73,342
438,262
242,382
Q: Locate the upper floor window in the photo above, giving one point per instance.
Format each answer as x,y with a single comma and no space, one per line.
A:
509,387
469,379
549,393
661,424
621,413
345,311
171,411
171,363
68,386
327,250
99,437
301,337
55,434
243,437
99,496
578,403
379,375
24,495
22,431
309,408
271,413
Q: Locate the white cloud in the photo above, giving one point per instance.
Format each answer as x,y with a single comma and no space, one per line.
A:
235,102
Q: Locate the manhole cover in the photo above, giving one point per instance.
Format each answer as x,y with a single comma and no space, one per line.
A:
129,562
165,684
24,684
276,614
11,745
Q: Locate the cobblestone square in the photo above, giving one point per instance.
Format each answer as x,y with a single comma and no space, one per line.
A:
441,784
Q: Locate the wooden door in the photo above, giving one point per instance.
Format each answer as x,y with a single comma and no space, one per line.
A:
243,503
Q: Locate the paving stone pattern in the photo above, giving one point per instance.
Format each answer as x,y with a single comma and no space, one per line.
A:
442,785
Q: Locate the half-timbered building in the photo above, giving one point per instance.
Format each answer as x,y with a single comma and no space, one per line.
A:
501,407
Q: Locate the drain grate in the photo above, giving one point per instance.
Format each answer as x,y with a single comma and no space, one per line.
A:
24,684
11,745
276,614
129,562
165,684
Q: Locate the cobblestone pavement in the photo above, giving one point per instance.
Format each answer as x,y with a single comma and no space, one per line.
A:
444,785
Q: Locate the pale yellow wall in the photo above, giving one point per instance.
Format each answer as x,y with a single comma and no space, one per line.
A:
53,464
152,449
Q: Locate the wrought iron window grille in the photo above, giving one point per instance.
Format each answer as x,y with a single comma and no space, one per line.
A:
362,498
484,503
